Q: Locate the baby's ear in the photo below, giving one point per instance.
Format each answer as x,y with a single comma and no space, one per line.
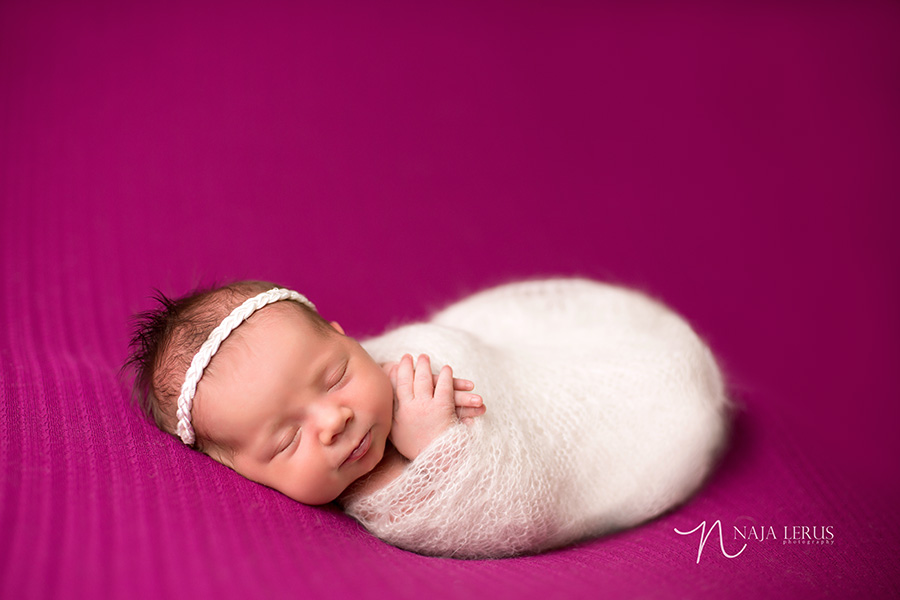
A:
337,326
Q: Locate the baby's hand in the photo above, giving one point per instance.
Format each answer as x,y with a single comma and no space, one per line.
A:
426,404
468,406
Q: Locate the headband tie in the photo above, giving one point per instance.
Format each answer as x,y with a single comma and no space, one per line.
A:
240,314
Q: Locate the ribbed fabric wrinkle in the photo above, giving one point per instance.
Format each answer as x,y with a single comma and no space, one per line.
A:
68,457
151,485
284,513
13,385
41,478
183,505
92,343
262,537
229,514
317,524
146,501
75,450
256,538
204,533
14,489
105,463
56,441
27,541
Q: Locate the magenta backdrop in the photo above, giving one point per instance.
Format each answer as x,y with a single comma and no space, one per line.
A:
386,158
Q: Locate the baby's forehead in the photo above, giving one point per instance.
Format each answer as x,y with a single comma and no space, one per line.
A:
278,321
283,310
284,314
274,343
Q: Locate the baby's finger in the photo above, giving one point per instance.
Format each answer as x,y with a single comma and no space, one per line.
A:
465,412
467,399
443,389
404,378
459,384
423,386
463,384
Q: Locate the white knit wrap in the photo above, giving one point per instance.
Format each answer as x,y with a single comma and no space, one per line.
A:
184,429
604,409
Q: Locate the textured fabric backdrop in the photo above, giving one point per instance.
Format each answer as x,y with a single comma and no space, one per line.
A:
385,159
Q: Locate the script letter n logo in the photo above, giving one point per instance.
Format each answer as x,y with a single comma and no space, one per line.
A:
704,536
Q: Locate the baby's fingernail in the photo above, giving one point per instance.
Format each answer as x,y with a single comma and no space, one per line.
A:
476,399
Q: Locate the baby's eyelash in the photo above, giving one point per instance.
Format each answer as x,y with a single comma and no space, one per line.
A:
343,376
293,440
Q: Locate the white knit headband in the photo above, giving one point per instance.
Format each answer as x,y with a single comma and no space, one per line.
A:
186,400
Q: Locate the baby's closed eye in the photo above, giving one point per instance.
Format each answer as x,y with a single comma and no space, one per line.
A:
340,377
289,441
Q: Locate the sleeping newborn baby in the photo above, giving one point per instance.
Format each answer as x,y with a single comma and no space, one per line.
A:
605,409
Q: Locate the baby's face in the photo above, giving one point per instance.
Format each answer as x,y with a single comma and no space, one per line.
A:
301,413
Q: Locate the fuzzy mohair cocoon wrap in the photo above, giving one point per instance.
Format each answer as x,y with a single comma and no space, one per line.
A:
604,409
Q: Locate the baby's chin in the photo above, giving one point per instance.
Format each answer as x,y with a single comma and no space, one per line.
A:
375,455
378,452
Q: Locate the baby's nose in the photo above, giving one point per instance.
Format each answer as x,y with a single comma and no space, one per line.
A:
332,422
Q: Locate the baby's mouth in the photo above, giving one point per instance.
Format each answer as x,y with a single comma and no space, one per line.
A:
360,449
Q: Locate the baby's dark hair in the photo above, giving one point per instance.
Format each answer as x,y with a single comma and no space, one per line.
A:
166,338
